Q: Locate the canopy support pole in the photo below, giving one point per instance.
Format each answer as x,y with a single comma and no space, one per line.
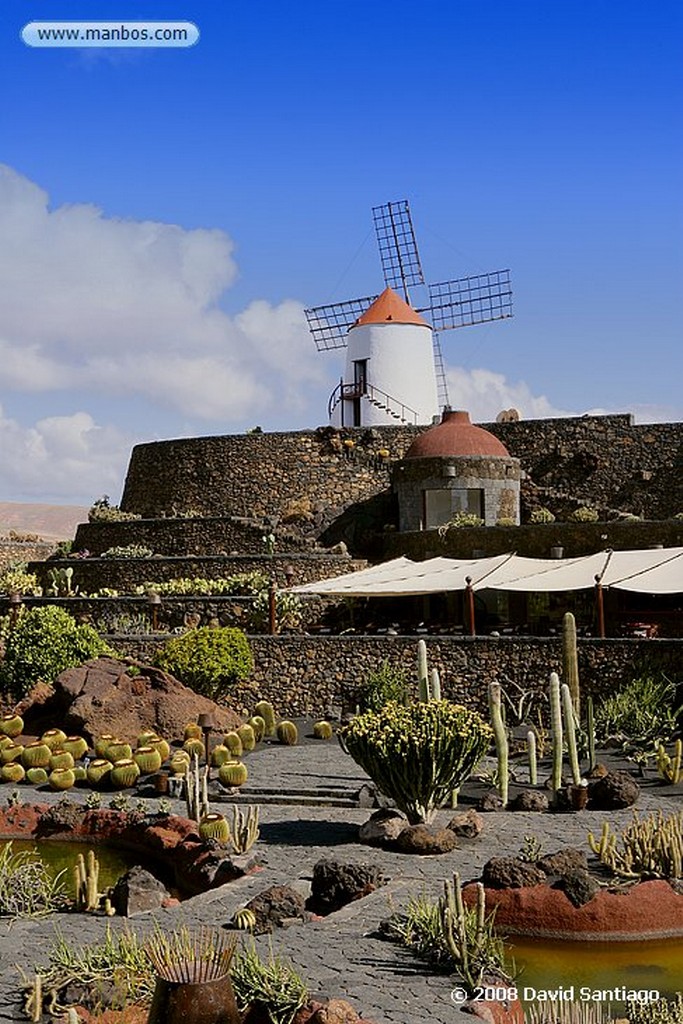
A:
470,605
600,605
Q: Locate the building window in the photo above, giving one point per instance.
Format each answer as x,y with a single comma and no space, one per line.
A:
439,506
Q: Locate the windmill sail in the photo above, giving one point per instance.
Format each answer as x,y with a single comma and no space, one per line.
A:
470,300
397,246
329,324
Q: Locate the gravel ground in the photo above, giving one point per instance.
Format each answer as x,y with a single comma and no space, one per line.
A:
339,956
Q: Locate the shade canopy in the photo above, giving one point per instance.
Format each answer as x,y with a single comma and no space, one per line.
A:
650,571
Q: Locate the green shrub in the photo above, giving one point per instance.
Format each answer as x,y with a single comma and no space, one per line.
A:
16,579
584,514
417,755
388,682
245,583
642,712
43,643
465,519
102,512
540,516
209,661
128,551
273,984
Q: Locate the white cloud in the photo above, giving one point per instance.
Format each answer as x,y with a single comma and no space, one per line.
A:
484,394
118,307
61,458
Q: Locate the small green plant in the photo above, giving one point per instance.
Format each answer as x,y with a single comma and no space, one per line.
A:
651,847
27,888
539,516
45,642
272,984
463,520
530,851
128,551
120,802
506,521
388,682
641,713
288,612
287,733
61,582
209,661
244,829
16,580
584,514
670,768
657,1011
102,511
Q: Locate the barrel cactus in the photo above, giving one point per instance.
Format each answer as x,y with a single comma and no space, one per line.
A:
194,747
12,752
219,755
259,726
247,736
5,741
119,750
61,759
36,755
179,762
98,771
36,776
124,774
12,725
234,744
54,738
323,731
145,736
76,745
147,759
160,744
192,731
233,773
287,733
102,743
12,772
244,919
265,710
80,774
61,779
417,755
215,826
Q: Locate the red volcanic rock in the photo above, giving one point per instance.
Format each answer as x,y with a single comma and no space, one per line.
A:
648,910
495,1012
100,697
20,822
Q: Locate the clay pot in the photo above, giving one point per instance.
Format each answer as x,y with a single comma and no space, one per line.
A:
205,1002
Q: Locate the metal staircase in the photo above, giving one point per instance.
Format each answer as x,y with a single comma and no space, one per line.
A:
398,410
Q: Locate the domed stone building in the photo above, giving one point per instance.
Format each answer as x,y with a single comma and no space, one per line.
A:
454,467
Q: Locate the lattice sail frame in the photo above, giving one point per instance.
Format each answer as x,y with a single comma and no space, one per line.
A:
397,246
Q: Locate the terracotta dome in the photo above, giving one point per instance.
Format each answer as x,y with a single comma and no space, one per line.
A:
456,436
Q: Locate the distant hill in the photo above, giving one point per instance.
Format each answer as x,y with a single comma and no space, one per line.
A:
51,522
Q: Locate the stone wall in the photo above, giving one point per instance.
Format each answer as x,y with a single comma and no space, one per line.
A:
606,461
533,541
497,478
308,675
12,551
124,574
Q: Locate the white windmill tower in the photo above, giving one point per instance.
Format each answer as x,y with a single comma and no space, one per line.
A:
394,369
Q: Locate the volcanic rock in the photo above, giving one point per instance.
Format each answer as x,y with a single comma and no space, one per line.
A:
529,800
578,887
563,862
422,839
382,827
490,802
101,697
275,906
137,892
467,824
511,873
613,791
335,884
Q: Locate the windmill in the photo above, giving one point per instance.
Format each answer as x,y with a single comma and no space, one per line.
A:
450,304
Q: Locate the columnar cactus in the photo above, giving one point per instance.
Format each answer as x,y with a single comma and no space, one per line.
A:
590,729
501,739
570,733
247,736
556,732
323,731
196,791
422,671
86,878
245,830
533,761
265,711
287,733
233,773
215,826
436,684
670,767
570,660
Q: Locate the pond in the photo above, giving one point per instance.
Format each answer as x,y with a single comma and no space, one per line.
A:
598,966
57,856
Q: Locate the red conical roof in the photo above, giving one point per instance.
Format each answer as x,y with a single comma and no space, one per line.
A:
456,436
390,308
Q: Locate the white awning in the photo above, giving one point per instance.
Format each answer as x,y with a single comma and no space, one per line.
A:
650,571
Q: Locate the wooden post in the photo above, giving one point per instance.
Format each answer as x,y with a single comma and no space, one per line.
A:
470,605
600,604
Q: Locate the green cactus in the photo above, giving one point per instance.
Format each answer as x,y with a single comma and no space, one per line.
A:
145,736
468,934
287,733
501,740
36,776
265,710
61,779
245,830
219,755
160,744
5,741
54,738
649,848
233,773
193,731
12,752
36,755
436,684
102,744
80,774
259,726
556,733
248,737
12,772
422,671
12,725
590,730
570,660
533,761
570,732
179,762
215,826
196,791
124,774
194,747
148,760
233,742
98,771
669,767
77,746
244,920
119,750
86,878
323,731
61,759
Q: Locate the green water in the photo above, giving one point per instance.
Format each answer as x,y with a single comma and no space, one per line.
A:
57,855
597,967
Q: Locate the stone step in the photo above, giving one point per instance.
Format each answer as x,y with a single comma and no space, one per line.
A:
261,797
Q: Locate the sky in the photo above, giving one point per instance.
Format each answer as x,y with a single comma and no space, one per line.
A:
167,214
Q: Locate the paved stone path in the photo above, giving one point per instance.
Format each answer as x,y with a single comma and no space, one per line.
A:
339,956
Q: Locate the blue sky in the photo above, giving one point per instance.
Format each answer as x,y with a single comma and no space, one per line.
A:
167,214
